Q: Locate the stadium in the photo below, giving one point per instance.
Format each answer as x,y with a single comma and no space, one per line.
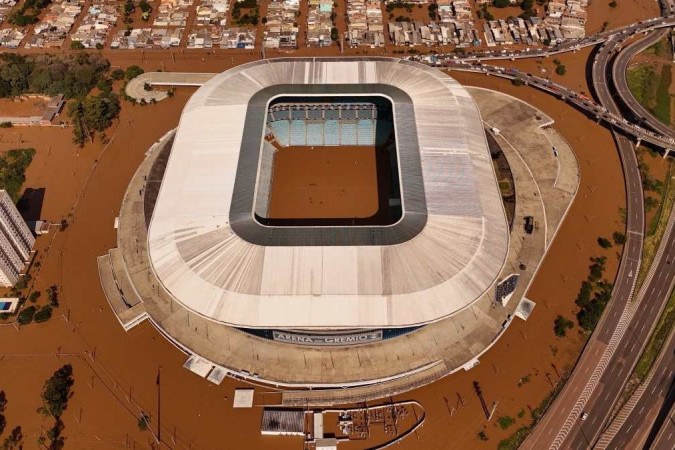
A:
207,237
320,222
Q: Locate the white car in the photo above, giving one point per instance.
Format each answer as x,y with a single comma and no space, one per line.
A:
584,416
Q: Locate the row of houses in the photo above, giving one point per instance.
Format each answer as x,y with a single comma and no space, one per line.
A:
11,37
281,28
429,34
52,30
568,16
320,24
212,12
5,8
173,13
216,36
95,26
147,38
364,23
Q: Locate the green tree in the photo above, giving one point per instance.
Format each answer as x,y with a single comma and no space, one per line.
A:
56,391
501,3
619,238
26,315
561,325
132,72
43,315
604,242
561,70
14,440
117,74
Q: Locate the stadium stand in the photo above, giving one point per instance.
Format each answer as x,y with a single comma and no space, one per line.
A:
323,124
298,132
331,132
315,131
281,131
366,133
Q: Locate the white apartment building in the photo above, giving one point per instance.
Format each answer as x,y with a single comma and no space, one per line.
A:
16,241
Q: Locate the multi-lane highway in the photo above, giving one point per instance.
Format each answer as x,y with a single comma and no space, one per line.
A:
612,118
639,428
611,353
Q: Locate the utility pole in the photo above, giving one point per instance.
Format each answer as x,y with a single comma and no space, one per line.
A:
159,409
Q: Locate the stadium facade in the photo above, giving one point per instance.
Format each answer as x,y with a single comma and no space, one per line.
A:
214,257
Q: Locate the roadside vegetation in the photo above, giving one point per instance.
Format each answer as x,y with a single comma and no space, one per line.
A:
593,295
513,442
660,195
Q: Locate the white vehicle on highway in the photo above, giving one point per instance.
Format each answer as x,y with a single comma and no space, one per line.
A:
584,416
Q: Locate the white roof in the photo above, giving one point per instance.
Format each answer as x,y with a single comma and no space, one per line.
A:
214,272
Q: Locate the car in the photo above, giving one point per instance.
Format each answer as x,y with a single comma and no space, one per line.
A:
584,416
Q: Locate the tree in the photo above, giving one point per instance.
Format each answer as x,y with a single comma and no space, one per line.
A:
14,440
561,325
132,72
117,74
76,45
604,242
143,422
613,4
26,315
43,315
619,238
485,13
501,3
561,70
334,34
56,391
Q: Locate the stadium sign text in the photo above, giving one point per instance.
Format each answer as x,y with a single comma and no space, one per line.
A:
327,339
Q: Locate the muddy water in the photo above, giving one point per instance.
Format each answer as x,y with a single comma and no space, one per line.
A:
324,182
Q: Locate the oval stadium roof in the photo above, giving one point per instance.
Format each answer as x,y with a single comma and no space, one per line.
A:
453,259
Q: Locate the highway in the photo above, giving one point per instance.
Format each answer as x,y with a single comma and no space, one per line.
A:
559,422
614,347
639,428
612,118
619,72
665,438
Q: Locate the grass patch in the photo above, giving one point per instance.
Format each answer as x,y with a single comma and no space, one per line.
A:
13,165
658,337
505,422
513,442
660,49
642,82
650,89
661,108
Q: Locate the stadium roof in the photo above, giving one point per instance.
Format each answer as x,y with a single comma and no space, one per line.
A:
214,269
